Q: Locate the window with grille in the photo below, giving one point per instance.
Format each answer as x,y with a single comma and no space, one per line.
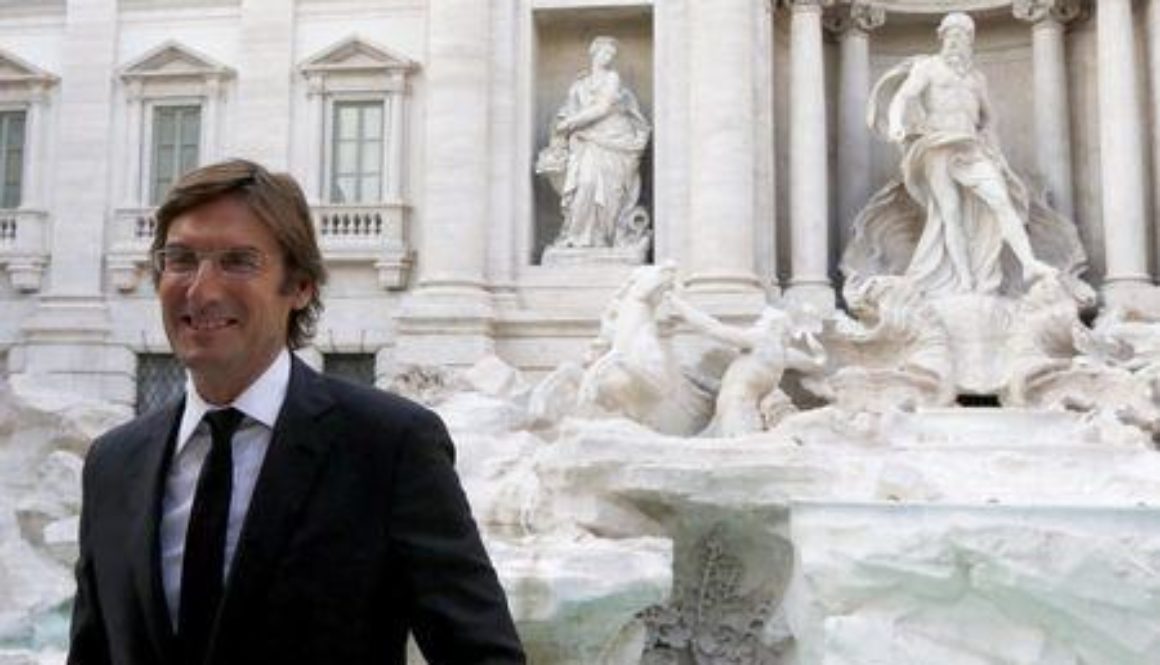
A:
12,159
356,367
176,141
160,378
357,152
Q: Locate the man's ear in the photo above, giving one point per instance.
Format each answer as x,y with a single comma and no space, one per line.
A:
303,293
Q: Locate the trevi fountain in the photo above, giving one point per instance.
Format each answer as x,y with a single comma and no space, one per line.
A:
956,466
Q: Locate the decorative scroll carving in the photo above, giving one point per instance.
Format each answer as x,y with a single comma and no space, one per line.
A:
1035,11
861,16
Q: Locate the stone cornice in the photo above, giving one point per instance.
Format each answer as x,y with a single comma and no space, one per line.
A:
937,6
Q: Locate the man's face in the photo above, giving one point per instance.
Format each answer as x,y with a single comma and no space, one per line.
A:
957,41
227,327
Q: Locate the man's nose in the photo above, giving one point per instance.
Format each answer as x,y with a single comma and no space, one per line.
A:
205,278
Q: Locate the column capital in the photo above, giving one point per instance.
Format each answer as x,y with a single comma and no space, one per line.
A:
1036,11
861,16
315,85
134,91
38,93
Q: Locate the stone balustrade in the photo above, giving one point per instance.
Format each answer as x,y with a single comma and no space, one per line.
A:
23,247
132,233
374,234
348,234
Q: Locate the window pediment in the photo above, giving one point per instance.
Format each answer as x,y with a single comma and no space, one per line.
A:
354,55
15,71
173,61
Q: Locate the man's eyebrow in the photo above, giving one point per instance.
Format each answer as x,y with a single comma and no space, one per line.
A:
231,248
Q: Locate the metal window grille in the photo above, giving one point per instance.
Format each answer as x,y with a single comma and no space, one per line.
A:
357,153
11,158
176,141
160,378
356,367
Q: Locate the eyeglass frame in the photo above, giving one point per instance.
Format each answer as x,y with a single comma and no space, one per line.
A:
158,260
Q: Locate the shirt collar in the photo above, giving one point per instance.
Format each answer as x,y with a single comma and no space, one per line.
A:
260,401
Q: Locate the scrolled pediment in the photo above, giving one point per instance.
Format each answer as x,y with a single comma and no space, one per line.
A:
355,55
173,60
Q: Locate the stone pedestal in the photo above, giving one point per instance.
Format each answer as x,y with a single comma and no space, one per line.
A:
67,347
583,256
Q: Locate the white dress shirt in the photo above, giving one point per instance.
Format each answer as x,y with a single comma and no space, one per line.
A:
260,403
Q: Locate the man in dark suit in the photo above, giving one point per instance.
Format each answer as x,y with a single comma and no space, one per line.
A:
272,515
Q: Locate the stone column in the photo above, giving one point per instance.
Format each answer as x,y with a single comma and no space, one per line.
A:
447,320
265,63
396,140
34,132
722,160
853,24
316,136
507,172
211,130
66,342
131,194
809,198
1121,156
1052,121
1153,33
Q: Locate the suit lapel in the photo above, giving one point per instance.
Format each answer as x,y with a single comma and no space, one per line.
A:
152,452
295,456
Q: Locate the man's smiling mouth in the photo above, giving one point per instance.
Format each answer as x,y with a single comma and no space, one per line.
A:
207,324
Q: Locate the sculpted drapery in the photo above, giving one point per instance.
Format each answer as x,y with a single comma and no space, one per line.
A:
959,219
594,156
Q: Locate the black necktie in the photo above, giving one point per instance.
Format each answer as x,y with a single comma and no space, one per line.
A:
203,568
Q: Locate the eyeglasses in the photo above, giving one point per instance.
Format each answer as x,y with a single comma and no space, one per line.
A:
183,262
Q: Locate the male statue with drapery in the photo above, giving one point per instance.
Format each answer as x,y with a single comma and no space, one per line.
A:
959,219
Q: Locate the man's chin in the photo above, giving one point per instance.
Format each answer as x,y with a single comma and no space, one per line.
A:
199,359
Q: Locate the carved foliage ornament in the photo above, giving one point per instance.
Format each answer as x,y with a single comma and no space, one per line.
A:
1038,10
855,16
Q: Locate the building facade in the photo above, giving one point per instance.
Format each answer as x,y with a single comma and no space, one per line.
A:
414,126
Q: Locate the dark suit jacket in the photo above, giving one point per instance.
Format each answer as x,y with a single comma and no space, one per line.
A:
358,531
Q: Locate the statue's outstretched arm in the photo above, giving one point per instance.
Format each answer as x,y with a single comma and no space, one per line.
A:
710,326
807,361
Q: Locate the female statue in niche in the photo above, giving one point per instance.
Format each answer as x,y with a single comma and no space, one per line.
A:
593,158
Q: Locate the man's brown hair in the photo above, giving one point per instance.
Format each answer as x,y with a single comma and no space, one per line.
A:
278,203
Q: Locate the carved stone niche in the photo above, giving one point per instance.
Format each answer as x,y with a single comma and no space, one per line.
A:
563,38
